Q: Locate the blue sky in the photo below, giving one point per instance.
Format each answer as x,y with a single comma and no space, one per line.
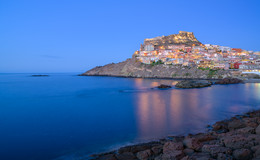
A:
74,36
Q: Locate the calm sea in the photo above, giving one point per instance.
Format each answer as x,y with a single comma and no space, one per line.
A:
65,116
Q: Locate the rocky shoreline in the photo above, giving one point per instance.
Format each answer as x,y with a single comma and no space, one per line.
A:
176,79
236,138
133,68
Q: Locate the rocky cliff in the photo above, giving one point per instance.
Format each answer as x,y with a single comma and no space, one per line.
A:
134,68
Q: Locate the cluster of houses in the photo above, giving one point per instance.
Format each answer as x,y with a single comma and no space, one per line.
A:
203,56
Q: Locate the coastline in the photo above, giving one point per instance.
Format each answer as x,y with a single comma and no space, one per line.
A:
167,78
235,138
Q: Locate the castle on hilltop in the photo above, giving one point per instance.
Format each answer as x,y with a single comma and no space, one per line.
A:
183,37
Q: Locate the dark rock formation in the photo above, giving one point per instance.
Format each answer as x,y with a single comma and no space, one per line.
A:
40,75
193,84
229,81
240,141
163,86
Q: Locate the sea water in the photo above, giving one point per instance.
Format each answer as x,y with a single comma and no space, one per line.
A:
65,116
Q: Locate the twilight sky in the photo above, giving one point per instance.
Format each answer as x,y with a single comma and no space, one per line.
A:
76,35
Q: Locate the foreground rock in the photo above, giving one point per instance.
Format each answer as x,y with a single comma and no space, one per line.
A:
237,138
163,86
193,84
229,81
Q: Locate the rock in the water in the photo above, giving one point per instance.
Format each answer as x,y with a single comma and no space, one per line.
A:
229,81
40,75
220,127
193,84
163,86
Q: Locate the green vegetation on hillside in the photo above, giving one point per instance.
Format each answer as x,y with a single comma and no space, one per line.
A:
156,63
211,73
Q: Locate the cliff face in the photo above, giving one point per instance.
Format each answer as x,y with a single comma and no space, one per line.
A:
133,68
183,37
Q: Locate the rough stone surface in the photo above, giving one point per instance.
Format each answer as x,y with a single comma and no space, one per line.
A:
143,155
236,124
257,153
242,154
246,130
193,84
192,143
257,130
222,156
171,146
176,154
214,150
188,151
157,149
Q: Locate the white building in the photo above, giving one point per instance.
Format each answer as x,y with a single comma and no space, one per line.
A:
224,48
148,47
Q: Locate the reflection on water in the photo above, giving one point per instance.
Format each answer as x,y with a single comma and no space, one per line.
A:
151,114
179,111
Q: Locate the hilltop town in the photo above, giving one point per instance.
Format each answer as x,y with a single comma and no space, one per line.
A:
183,56
185,49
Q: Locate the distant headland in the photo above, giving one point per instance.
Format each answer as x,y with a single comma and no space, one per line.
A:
182,56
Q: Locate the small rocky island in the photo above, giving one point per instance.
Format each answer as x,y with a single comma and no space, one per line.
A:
39,75
193,84
164,86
